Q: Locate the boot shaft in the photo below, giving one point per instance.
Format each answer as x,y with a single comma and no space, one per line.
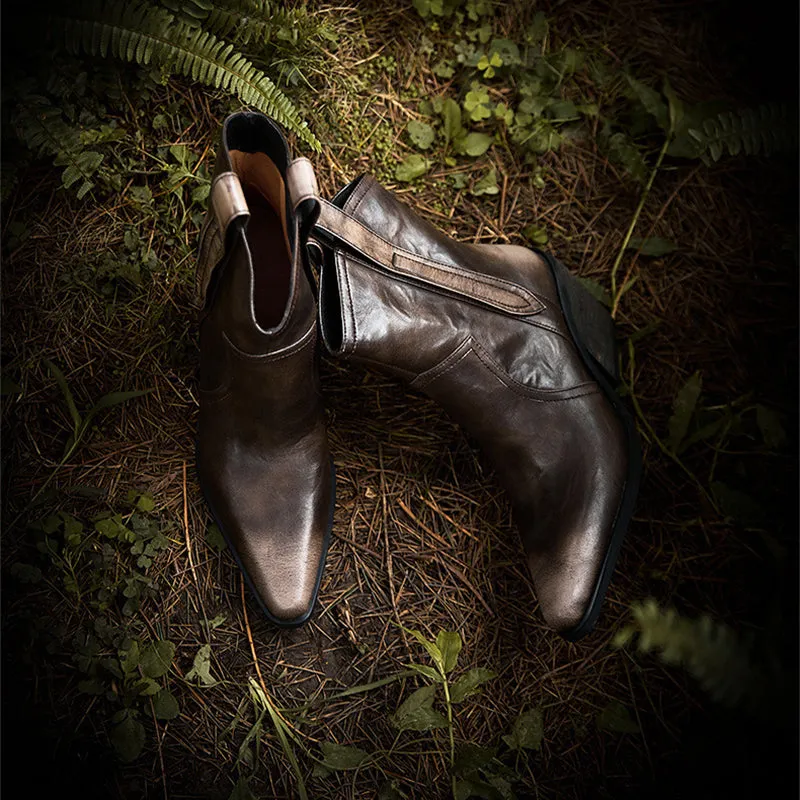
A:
258,328
391,271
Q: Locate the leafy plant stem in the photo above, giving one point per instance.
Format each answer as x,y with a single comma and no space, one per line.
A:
446,685
617,295
675,192
71,567
366,687
664,449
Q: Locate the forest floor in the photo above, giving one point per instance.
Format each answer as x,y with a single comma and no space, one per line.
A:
103,287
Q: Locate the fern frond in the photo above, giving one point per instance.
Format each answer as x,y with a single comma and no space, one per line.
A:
767,129
246,22
192,12
726,665
245,29
42,128
140,33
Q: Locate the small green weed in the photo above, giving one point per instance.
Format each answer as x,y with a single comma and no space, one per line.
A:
103,566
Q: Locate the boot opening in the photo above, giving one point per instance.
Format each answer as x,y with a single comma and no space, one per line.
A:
330,315
267,235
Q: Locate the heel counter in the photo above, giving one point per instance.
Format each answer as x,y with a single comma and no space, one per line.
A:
592,322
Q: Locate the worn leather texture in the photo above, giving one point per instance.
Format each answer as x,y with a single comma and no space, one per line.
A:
262,455
481,330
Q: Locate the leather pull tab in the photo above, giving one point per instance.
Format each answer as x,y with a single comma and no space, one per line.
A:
227,199
507,296
304,195
302,182
227,204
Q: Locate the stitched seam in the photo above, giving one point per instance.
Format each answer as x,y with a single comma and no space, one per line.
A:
496,365
290,350
450,296
472,346
449,367
361,193
424,378
525,391
309,343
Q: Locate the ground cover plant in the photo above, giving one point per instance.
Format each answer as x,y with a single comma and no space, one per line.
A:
634,142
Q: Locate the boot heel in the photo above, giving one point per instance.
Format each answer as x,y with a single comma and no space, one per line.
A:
588,321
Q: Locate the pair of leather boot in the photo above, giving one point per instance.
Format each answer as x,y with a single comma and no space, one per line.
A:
503,337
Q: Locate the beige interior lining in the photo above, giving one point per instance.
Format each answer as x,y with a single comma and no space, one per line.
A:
258,171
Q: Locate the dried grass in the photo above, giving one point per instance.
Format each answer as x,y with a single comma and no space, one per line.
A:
422,533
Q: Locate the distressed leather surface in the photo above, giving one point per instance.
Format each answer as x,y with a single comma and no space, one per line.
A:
263,456
512,377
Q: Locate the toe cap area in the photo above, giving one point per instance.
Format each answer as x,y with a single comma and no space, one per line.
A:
278,527
564,591
284,572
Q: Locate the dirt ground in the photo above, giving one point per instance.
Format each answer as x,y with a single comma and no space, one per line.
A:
422,532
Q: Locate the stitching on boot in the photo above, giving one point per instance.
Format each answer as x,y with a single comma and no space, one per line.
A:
284,352
367,182
447,363
529,392
470,345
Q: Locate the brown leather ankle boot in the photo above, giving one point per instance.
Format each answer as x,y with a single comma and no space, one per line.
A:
262,455
517,351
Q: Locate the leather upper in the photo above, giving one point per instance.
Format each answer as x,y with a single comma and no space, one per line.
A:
481,329
263,458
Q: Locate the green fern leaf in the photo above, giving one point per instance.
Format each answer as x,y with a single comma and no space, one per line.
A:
764,130
727,666
141,33
41,126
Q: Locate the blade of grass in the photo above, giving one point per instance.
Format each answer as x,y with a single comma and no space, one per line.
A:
360,689
68,398
80,425
280,726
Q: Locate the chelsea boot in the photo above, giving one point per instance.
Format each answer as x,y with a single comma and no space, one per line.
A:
518,353
262,450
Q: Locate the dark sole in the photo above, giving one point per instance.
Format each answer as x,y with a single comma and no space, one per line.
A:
280,623
570,294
